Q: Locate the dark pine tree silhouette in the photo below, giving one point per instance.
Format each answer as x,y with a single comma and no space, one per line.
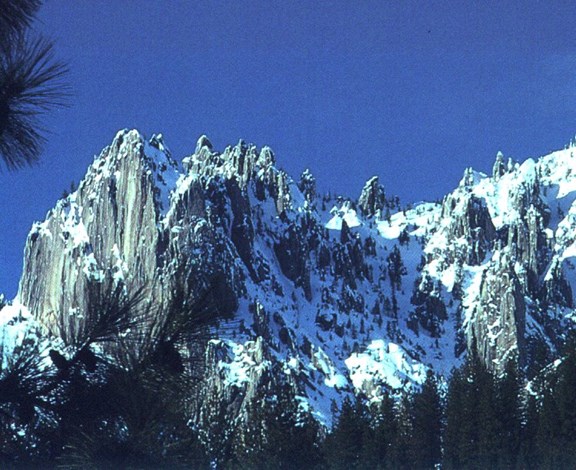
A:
344,446
31,83
510,414
400,456
279,434
426,411
459,431
556,433
16,15
470,417
382,434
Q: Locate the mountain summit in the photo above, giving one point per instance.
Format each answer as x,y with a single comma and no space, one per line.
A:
333,296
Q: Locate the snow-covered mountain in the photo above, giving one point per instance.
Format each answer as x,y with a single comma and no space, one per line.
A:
333,295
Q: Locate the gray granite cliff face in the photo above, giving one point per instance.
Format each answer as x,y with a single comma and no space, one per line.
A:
499,326
111,224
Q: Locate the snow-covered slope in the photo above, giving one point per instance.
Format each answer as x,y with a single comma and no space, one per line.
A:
332,295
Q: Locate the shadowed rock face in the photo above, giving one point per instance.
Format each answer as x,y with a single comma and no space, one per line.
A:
372,198
320,292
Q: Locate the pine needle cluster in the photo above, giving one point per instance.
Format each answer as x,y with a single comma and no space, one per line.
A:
32,82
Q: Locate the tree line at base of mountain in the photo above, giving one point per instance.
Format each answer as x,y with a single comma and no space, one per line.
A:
480,422
91,413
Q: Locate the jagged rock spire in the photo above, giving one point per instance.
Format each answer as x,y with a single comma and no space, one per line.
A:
202,142
467,180
307,185
499,168
372,198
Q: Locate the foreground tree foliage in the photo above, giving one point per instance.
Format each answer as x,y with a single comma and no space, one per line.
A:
118,397
31,83
136,419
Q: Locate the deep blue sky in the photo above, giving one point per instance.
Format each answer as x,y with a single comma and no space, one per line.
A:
414,92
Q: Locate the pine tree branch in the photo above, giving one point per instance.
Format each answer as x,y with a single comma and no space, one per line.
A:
16,15
31,83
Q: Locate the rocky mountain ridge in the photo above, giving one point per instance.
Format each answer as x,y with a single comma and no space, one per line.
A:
332,295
